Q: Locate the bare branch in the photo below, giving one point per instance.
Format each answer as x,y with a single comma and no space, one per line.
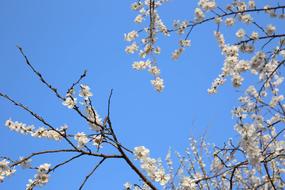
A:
91,173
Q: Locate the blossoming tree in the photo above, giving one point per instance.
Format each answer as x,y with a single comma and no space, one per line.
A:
256,160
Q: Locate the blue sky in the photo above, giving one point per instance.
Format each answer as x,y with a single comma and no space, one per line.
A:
61,39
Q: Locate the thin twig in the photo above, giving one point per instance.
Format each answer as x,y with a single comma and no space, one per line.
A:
78,81
38,117
39,74
91,173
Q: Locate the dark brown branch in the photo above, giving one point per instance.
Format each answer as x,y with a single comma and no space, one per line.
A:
39,74
53,89
65,162
232,13
91,173
261,38
125,157
78,81
268,175
38,117
151,21
64,151
270,76
231,179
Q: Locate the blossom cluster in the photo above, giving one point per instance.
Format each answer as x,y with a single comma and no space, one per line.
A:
146,46
41,178
82,139
41,132
94,119
5,170
71,101
243,14
259,64
153,167
247,43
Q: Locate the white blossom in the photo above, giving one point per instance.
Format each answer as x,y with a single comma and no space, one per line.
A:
131,36
81,139
229,21
85,91
270,29
254,35
141,152
41,178
138,19
199,14
140,65
158,84
5,170
69,102
240,33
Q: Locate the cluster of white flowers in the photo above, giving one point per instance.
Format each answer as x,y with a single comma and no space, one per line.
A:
250,142
71,101
39,132
180,26
244,10
147,49
204,5
259,64
194,173
188,183
254,35
220,39
152,166
230,21
232,67
81,138
127,186
94,119
216,165
275,100
5,170
176,54
131,36
199,15
246,18
41,178
242,16
251,4
59,133
185,43
270,29
141,65
97,140
154,70
85,91
240,33
207,4
158,84
131,49
257,125
182,45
